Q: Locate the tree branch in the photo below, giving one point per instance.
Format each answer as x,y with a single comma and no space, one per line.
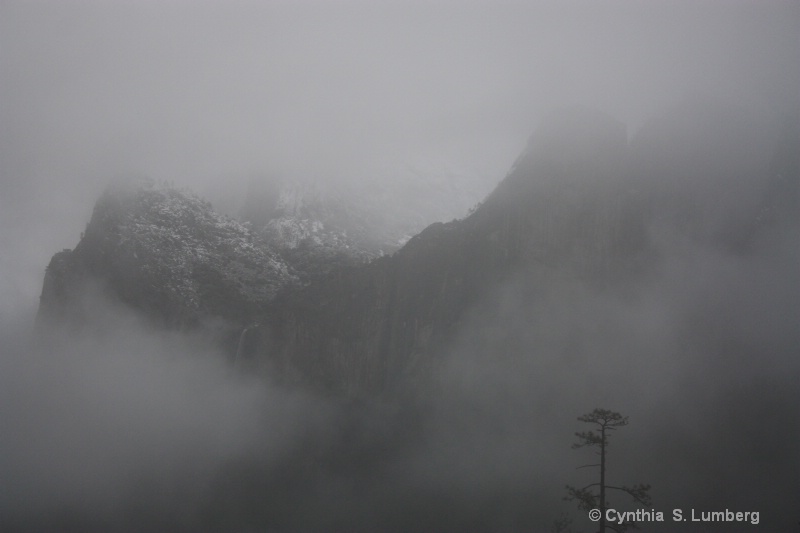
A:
639,493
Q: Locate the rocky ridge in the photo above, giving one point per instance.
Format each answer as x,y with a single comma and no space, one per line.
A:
168,254
581,204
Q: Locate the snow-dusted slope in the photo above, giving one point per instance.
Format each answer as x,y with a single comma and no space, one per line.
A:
317,224
168,253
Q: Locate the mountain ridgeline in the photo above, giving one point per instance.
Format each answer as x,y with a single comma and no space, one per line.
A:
580,205
562,211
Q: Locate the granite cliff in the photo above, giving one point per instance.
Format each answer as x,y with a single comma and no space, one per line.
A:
562,211
581,204
168,255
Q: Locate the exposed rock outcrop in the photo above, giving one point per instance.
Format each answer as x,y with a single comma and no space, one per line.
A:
580,204
562,211
167,254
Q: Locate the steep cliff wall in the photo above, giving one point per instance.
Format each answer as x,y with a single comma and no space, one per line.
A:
563,211
579,205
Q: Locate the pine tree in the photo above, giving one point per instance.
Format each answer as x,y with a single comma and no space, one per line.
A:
593,496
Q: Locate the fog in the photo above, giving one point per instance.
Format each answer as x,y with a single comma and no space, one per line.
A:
208,92
128,427
109,427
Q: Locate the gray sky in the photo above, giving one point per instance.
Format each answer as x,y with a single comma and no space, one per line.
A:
196,91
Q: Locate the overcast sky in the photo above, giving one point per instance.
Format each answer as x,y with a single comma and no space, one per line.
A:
196,91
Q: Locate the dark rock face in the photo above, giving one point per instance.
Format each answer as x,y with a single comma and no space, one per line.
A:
563,211
60,289
168,255
590,274
580,204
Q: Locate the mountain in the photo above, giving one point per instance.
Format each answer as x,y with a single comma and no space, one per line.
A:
564,211
321,225
167,254
580,205
314,227
656,274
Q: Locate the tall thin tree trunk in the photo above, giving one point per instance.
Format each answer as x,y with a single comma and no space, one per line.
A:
603,480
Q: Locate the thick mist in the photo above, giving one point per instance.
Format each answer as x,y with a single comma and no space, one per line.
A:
108,426
700,355
128,428
123,427
209,94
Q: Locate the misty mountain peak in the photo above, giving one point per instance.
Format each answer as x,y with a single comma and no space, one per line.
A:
166,252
